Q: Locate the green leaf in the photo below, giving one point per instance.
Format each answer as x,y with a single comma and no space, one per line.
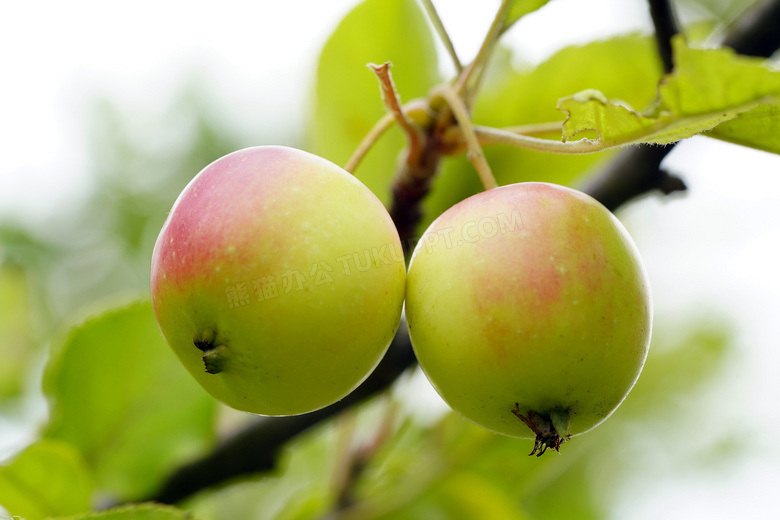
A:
135,512
120,395
46,479
613,123
706,88
348,100
625,67
679,362
758,128
17,345
519,9
469,496
301,486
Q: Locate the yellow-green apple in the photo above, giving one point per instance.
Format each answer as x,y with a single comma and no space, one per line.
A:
529,310
278,280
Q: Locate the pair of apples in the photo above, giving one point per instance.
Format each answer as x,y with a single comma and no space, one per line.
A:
279,280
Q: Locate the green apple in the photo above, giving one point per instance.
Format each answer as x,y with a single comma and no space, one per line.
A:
529,311
278,280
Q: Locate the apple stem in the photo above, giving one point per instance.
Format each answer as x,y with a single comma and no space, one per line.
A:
551,429
393,104
474,154
475,68
489,135
368,141
433,15
457,143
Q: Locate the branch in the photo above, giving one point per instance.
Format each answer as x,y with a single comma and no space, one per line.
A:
373,135
474,153
614,185
433,15
256,448
757,31
411,185
665,28
488,135
754,34
476,66
393,104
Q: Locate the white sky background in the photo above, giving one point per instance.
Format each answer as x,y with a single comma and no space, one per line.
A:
715,249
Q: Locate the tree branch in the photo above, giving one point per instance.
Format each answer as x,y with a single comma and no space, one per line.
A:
393,105
480,61
474,153
256,447
757,31
614,185
755,34
665,28
435,19
373,135
634,172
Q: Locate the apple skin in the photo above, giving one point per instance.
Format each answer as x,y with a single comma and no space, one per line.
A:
533,294
281,274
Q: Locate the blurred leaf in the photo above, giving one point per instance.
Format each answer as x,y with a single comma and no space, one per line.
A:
135,512
624,68
120,395
47,479
447,470
19,246
469,496
566,490
519,9
137,185
348,100
706,88
758,128
301,486
139,163
723,11
16,334
676,364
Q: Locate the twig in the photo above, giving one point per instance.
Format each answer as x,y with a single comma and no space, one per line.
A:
475,154
373,135
348,465
488,135
665,28
411,185
536,128
476,66
433,15
256,448
756,32
613,186
393,104
454,135
354,459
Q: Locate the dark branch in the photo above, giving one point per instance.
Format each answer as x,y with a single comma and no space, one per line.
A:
757,32
410,187
665,27
634,172
256,448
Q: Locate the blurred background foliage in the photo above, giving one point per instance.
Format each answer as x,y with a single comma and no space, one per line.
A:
121,413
